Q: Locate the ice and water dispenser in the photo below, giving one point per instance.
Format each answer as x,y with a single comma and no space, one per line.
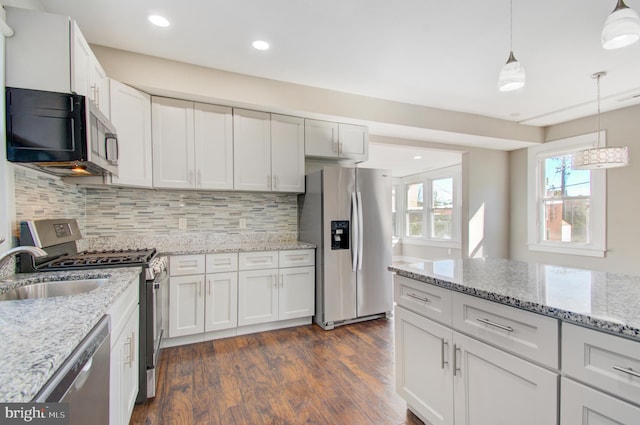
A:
340,234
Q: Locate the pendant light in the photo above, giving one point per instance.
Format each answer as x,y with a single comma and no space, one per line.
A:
600,156
512,74
621,28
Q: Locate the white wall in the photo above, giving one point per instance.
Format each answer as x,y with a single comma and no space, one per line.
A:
623,202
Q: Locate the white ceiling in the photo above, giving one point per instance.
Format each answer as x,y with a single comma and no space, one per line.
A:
408,160
442,54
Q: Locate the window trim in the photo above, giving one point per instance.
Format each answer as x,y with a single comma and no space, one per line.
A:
454,172
597,246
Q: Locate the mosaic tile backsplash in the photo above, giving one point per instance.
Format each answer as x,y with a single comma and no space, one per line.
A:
114,211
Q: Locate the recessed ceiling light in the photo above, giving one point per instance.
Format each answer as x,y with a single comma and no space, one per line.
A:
158,20
417,157
260,45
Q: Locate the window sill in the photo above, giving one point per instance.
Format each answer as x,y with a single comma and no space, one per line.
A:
431,242
582,251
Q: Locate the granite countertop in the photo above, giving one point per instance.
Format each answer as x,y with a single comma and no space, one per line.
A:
603,301
217,248
38,335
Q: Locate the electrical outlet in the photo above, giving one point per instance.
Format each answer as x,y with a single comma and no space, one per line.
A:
242,223
182,223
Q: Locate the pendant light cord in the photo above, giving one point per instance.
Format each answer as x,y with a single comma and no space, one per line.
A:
598,88
511,25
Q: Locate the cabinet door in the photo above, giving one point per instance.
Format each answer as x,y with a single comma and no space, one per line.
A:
296,293
39,55
186,305
80,62
320,138
173,146
353,141
287,153
99,86
129,367
213,146
251,150
131,115
257,297
221,301
581,405
493,387
423,366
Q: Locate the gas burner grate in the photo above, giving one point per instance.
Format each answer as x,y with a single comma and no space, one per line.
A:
104,258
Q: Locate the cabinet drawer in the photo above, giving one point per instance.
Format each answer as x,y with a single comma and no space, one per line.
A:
582,405
427,300
258,260
186,264
521,332
220,263
605,361
297,258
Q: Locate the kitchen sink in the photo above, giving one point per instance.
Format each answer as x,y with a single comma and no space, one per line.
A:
53,288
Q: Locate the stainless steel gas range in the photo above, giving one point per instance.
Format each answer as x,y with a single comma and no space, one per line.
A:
59,237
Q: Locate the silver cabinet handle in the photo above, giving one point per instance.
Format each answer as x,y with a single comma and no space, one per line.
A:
455,359
190,178
495,325
628,371
443,344
133,347
415,297
199,178
200,288
209,286
282,280
1,240
339,146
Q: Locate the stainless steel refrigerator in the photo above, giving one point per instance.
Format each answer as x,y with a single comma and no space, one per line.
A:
346,213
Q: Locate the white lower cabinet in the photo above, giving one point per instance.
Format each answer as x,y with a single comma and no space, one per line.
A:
495,387
123,376
221,301
213,295
449,378
186,305
423,371
581,405
283,290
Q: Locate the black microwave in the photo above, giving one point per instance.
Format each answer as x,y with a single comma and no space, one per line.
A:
60,133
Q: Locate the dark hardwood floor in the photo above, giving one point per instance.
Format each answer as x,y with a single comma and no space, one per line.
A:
302,375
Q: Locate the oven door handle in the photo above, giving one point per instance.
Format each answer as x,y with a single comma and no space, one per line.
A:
162,276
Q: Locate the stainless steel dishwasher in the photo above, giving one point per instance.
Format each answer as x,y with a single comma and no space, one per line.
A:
83,379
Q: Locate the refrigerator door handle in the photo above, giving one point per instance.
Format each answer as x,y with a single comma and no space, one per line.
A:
354,226
360,231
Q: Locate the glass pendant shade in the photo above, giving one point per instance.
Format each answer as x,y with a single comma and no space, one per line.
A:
512,76
621,28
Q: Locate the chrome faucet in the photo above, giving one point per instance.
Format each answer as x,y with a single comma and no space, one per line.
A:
34,251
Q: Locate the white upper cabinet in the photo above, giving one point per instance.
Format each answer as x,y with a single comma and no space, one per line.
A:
192,145
268,152
173,143
252,150
336,140
48,52
213,146
131,115
287,153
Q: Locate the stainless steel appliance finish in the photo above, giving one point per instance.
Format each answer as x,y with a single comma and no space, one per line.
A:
59,133
156,333
59,236
346,213
83,379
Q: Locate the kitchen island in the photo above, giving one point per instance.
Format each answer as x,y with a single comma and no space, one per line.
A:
38,335
501,341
